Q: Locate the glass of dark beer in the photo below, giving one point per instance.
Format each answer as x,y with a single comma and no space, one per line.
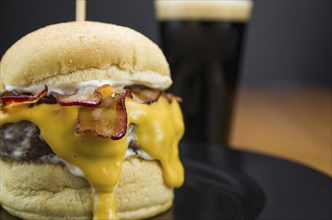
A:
202,41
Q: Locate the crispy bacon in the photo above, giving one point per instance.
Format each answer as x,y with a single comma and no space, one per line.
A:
47,100
10,100
170,97
143,94
87,97
109,120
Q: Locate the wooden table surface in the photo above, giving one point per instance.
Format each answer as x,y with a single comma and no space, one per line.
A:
292,123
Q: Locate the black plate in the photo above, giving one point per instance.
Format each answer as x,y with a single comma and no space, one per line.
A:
228,184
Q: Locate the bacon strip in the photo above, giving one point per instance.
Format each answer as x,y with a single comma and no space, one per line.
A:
170,97
109,120
143,94
12,100
87,97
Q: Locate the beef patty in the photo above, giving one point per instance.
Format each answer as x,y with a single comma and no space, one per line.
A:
22,141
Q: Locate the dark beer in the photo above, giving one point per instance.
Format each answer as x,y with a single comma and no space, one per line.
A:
204,56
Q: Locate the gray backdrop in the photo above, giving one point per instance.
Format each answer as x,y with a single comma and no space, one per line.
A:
288,42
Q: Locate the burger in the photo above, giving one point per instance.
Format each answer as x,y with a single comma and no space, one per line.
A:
87,130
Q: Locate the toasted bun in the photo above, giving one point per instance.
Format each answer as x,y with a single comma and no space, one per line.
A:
75,52
48,191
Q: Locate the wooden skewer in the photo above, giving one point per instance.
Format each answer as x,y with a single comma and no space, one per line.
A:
80,10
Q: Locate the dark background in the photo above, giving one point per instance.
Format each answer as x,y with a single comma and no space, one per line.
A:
288,42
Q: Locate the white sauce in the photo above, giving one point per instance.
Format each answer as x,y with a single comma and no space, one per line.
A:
73,169
130,152
144,155
69,88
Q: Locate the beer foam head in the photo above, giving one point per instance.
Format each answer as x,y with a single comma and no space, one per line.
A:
167,10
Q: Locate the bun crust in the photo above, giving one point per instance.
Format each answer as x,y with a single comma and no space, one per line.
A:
81,51
48,191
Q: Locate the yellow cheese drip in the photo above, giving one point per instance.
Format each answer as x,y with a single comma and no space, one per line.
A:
158,129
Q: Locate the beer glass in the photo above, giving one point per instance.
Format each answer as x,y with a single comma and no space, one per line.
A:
202,41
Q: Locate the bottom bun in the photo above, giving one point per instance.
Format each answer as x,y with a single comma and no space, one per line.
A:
48,191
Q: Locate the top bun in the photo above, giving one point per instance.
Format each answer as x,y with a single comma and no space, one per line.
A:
75,52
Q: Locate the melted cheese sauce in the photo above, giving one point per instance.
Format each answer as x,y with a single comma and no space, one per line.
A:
158,129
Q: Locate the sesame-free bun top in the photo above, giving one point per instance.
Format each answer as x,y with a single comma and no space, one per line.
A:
76,52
